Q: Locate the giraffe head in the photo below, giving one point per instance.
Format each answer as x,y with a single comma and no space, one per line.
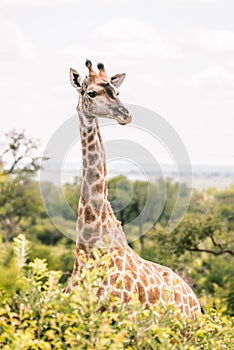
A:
99,94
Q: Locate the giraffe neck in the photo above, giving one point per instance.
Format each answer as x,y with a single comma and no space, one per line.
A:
97,224
94,184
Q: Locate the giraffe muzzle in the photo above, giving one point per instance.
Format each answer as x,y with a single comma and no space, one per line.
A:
123,117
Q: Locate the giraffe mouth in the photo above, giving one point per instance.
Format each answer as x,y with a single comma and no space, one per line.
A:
124,120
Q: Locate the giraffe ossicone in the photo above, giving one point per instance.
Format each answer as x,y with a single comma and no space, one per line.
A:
97,225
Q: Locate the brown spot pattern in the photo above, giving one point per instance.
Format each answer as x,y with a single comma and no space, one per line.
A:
192,302
119,263
103,216
113,278
166,276
91,147
89,216
83,142
177,297
85,191
153,295
141,293
91,175
92,158
128,282
87,233
90,138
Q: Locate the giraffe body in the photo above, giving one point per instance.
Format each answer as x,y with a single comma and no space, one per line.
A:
97,225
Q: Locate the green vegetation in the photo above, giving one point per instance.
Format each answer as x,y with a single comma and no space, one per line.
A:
35,313
39,315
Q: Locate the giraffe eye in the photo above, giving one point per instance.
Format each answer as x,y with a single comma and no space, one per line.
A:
92,94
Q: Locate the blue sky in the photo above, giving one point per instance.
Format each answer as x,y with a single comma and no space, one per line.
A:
178,56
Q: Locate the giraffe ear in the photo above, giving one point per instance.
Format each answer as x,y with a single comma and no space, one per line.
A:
117,79
75,78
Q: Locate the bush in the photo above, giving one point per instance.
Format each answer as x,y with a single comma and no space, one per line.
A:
40,315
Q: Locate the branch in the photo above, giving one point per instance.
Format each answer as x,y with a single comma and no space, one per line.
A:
158,219
215,243
20,154
13,166
224,251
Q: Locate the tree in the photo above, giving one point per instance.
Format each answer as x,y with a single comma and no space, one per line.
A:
225,204
203,233
19,194
19,199
120,194
143,207
63,201
72,193
19,154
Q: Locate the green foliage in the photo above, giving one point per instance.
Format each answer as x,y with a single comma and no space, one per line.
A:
200,249
119,194
58,257
230,297
72,193
225,205
19,200
21,249
198,229
45,232
19,195
42,316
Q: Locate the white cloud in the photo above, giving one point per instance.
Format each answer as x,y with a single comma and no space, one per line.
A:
128,38
13,44
213,78
145,48
32,3
118,29
134,38
126,45
215,42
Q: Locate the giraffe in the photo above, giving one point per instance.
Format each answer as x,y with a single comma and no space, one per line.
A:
97,225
